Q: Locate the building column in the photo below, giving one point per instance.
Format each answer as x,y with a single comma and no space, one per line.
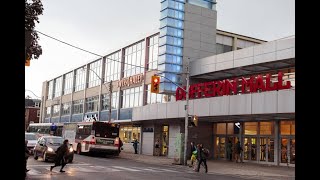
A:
277,148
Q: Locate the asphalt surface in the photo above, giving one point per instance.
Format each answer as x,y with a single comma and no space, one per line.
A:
99,168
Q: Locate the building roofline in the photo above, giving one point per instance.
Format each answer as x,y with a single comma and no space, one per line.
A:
240,35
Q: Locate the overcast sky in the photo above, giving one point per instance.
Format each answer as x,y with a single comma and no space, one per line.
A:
102,26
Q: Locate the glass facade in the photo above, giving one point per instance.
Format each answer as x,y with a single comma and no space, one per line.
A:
132,97
65,109
171,43
153,52
95,74
92,104
134,55
68,83
210,4
156,98
80,79
48,112
128,134
57,87
50,89
113,67
77,106
55,110
105,101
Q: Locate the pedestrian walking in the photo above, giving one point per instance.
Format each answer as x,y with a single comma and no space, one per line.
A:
157,147
135,146
60,156
229,151
238,151
120,145
193,153
202,155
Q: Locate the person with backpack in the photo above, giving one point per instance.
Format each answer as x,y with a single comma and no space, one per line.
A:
202,155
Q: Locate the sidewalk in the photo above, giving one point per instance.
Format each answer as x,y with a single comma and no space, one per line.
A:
245,170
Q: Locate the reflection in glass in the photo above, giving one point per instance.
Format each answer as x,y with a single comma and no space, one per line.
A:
253,148
246,148
270,150
284,143
292,151
222,147
263,148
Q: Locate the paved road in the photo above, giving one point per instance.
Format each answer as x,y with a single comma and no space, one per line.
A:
100,168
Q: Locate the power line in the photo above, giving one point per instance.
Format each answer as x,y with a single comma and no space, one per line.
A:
89,51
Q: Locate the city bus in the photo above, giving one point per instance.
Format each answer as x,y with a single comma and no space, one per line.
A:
93,137
45,129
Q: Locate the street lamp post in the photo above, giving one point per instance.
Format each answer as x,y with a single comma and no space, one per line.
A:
186,110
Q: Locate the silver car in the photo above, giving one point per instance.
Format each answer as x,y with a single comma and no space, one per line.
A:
32,139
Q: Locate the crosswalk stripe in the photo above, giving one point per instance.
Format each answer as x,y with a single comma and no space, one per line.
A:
167,170
148,169
129,169
48,165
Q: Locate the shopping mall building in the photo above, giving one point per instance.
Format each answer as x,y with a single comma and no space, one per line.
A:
241,88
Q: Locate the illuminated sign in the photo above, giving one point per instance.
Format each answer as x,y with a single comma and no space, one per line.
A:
131,80
227,87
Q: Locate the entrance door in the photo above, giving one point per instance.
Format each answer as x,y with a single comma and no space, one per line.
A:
250,148
288,154
164,140
220,143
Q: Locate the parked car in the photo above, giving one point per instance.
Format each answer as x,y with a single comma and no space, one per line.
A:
32,141
47,146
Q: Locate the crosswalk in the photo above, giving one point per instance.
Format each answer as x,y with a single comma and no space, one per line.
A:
43,170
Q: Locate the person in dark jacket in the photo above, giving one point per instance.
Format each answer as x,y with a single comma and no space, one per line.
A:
135,146
201,157
60,156
120,145
26,150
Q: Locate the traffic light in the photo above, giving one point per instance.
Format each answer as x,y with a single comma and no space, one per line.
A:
155,84
194,121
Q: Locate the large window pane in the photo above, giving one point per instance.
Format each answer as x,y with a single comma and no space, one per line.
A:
68,83
266,128
250,128
287,128
221,128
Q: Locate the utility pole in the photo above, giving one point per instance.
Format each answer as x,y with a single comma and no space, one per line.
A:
110,100
187,115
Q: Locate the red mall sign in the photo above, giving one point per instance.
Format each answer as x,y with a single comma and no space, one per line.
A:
226,87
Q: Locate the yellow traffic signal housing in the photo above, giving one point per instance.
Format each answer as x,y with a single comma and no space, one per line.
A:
155,84
27,62
195,120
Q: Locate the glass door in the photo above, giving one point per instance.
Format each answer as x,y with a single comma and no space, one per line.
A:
253,148
284,150
263,148
165,140
250,148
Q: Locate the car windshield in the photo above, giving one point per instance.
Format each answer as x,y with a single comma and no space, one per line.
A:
30,137
54,141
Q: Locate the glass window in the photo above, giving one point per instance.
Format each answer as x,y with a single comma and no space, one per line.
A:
48,111
112,67
56,110
80,79
287,128
92,104
78,106
57,87
134,58
230,129
95,73
221,128
66,108
250,128
153,98
266,128
175,23
105,101
153,53
68,83
50,89
131,97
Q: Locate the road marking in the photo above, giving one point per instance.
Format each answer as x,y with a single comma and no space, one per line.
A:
129,169
34,172
48,165
148,169
168,170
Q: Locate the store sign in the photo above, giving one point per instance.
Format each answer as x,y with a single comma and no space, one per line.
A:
229,87
131,80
